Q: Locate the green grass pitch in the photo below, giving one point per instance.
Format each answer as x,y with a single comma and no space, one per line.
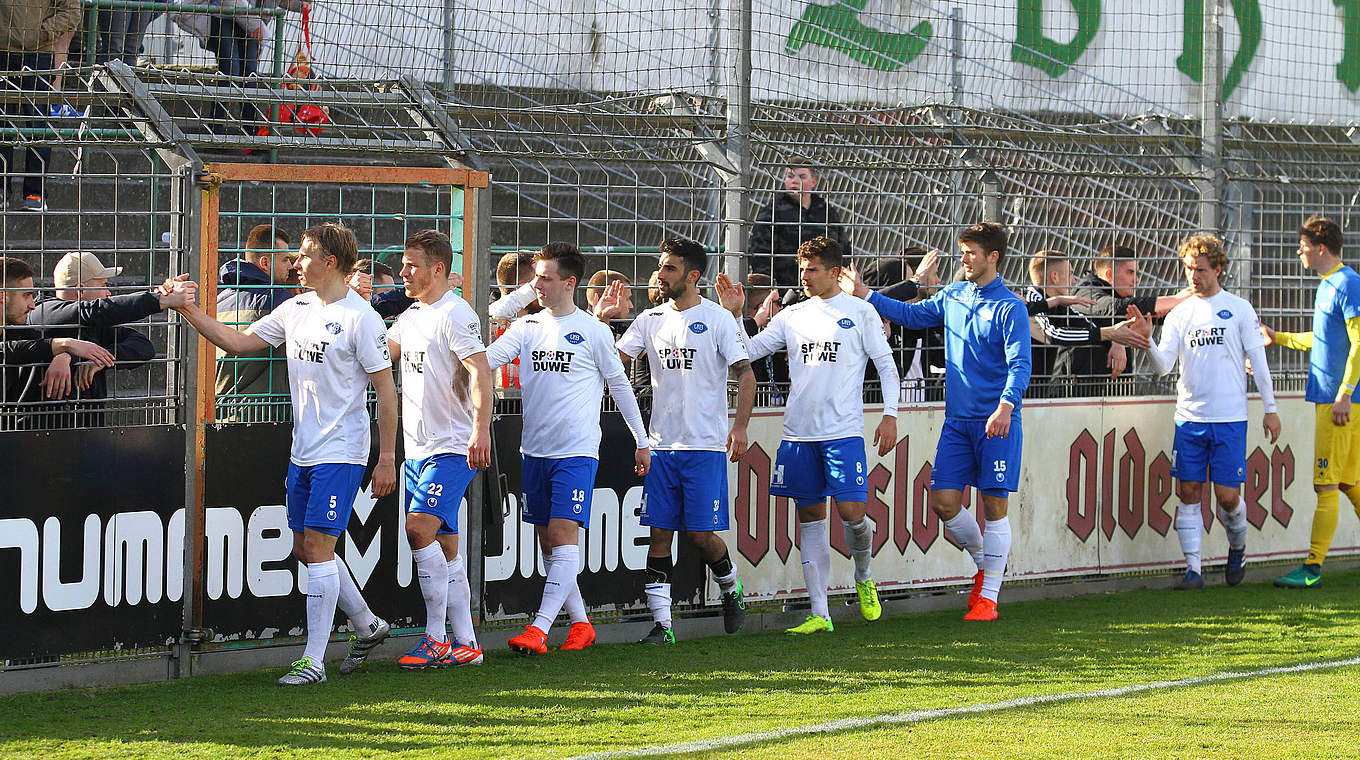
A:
621,697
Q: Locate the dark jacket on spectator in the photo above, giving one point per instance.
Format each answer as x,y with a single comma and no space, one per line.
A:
98,321
14,356
1065,328
391,302
1091,360
245,294
782,226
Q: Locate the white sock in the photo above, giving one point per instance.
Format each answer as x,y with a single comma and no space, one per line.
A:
964,528
726,582
323,589
561,580
859,536
996,548
659,602
1236,524
575,606
352,603
460,603
434,586
1190,529
816,564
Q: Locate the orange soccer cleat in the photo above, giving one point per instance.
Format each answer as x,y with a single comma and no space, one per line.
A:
532,641
985,609
426,654
977,590
580,636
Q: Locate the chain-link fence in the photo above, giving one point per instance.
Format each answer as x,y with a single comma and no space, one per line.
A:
612,124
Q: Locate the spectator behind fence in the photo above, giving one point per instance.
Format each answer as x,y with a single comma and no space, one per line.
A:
796,215
1113,287
84,308
120,34
249,287
235,43
914,349
30,29
383,276
16,303
1054,324
762,303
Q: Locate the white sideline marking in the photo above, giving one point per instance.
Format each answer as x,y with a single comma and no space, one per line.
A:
918,716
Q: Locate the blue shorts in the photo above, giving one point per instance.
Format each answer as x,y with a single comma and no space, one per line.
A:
965,456
810,471
556,488
686,490
1204,450
435,486
321,496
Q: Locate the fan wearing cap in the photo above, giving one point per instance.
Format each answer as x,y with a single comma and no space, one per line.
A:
84,308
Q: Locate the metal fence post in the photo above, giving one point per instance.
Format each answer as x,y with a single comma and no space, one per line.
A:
188,236
737,197
477,279
1211,121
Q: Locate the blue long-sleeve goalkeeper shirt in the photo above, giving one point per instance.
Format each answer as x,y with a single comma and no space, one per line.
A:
986,344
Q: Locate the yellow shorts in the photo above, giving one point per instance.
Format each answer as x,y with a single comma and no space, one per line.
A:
1336,450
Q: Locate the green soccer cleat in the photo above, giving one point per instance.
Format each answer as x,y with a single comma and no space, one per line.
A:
1303,576
734,609
813,624
869,606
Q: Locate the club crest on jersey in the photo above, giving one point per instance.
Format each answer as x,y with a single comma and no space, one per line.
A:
698,328
333,328
575,338
1225,314
845,322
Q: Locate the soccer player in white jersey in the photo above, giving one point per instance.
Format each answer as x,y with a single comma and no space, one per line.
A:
829,338
691,344
1211,334
446,402
566,358
336,346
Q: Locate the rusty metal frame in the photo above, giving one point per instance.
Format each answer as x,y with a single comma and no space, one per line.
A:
203,412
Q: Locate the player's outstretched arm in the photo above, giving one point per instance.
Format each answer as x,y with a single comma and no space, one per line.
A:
479,445
226,338
385,473
913,316
507,306
737,439
1296,341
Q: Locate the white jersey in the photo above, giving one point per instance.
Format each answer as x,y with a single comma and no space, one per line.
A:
564,364
688,354
436,393
829,342
1212,338
331,350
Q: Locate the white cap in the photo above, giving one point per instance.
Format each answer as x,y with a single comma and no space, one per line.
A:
79,267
